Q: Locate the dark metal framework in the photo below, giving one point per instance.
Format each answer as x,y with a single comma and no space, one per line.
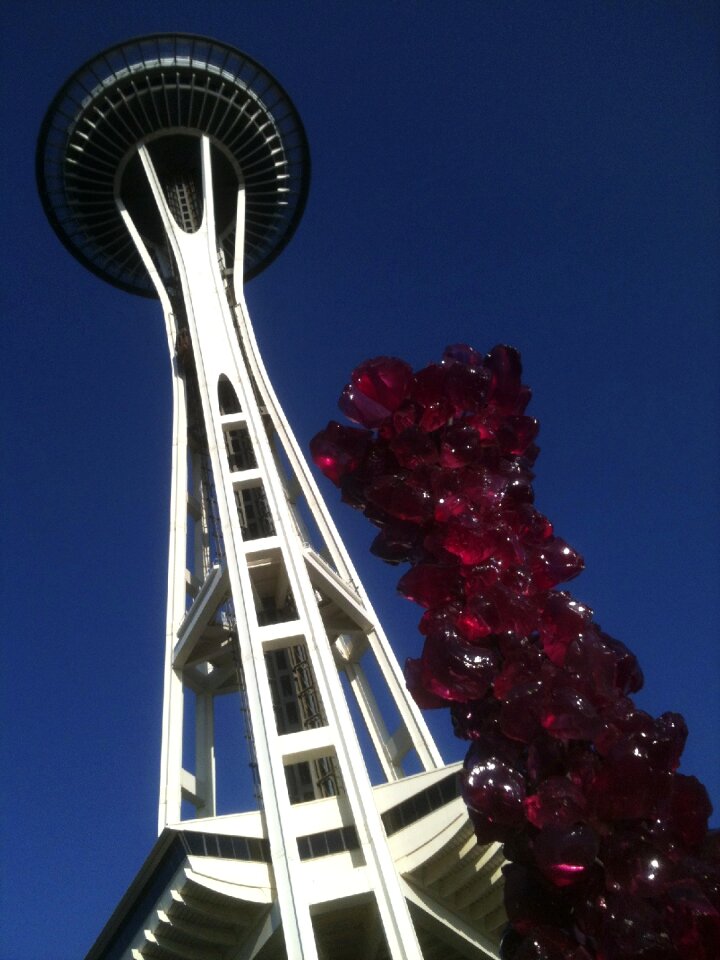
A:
173,84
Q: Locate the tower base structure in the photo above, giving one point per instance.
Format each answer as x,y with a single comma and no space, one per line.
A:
206,891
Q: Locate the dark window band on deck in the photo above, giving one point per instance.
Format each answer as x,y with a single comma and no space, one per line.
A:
423,803
329,841
227,848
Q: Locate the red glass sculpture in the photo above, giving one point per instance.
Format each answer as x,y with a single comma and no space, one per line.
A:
608,848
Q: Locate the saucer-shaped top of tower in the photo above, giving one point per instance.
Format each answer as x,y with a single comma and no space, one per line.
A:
165,90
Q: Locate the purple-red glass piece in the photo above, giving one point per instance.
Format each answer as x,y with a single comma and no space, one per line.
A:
565,853
459,445
566,714
517,433
414,448
580,786
462,353
628,677
431,585
339,450
632,929
454,670
428,385
466,387
629,788
413,681
488,831
557,802
520,712
384,380
467,537
549,943
563,619
690,810
547,758
479,618
400,499
553,563
476,720
495,791
406,416
529,899
396,542
505,371
659,740
436,415
693,922
529,524
632,863
361,409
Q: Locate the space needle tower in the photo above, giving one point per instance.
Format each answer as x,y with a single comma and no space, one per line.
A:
176,167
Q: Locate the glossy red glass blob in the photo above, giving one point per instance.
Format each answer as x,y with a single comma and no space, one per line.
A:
528,524
339,450
566,714
564,853
559,754
462,353
431,585
466,387
413,680
520,712
634,864
690,810
517,433
495,791
633,929
414,448
453,669
467,537
459,445
630,788
436,415
692,920
361,409
489,740
397,542
505,371
384,380
477,720
400,499
530,899
562,620
557,802
554,563
548,943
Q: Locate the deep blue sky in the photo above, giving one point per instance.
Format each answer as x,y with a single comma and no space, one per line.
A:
542,174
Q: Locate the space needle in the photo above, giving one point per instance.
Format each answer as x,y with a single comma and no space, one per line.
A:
176,167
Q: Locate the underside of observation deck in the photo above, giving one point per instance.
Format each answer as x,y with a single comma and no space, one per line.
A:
164,89
206,891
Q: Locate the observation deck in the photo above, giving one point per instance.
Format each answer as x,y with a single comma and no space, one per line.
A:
166,90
